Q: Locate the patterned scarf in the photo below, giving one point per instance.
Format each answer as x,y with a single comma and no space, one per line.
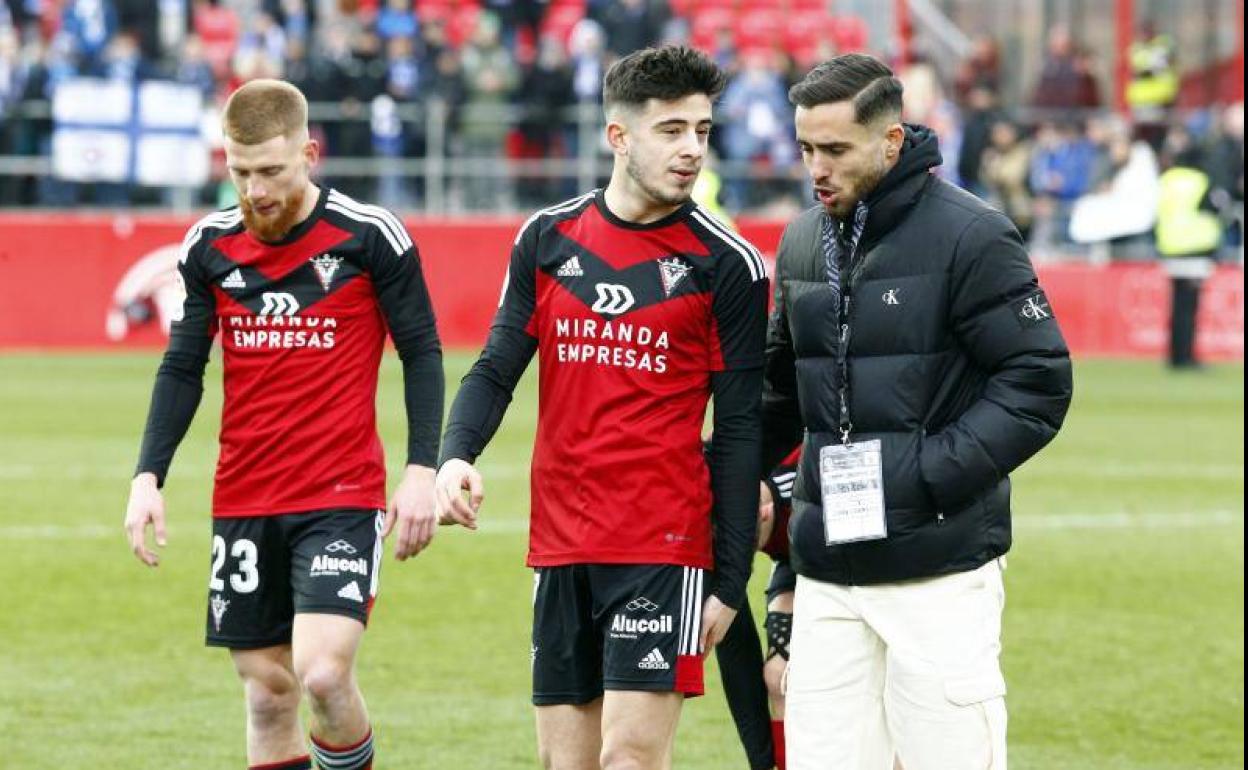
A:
838,252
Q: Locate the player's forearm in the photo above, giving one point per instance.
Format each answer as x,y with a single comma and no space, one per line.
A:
735,470
485,393
424,393
175,398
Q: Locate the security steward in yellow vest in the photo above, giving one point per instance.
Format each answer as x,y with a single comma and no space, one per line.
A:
1154,84
1188,234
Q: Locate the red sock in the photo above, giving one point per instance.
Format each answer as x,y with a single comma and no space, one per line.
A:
298,763
777,741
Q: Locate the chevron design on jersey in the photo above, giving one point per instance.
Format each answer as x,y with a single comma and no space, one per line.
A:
613,293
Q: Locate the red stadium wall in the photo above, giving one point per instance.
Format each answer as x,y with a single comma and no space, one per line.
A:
59,274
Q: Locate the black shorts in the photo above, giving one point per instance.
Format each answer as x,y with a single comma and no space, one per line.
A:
268,568
603,627
783,580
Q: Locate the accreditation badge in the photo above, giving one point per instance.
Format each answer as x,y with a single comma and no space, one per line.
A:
852,481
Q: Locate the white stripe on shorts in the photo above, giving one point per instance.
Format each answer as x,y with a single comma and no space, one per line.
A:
378,525
690,611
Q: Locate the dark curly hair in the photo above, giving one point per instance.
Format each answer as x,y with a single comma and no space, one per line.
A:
668,73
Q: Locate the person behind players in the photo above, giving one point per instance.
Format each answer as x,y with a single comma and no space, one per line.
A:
753,682
641,307
302,283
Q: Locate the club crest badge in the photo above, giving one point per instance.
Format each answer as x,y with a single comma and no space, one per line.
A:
673,270
326,265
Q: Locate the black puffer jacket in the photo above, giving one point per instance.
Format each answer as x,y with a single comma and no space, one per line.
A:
955,363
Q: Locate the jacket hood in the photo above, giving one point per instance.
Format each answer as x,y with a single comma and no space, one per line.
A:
920,153
901,187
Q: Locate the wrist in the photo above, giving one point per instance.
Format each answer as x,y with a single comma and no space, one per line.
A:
145,479
418,472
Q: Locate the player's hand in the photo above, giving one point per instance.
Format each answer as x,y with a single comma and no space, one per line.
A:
766,514
145,506
412,509
716,617
454,478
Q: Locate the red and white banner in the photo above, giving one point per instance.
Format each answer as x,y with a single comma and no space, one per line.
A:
104,281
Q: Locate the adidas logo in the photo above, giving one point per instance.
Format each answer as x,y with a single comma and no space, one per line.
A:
571,268
234,280
351,591
653,661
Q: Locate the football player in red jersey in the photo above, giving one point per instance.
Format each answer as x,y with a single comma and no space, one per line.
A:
642,308
303,284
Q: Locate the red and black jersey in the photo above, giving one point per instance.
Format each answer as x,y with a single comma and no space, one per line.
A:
780,481
302,325
631,322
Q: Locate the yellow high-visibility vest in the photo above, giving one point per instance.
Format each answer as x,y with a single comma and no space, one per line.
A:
1183,228
1154,80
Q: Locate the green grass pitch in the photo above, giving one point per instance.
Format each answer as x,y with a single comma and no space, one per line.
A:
1124,624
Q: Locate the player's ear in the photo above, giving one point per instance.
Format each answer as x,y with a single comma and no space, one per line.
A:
311,152
617,131
617,138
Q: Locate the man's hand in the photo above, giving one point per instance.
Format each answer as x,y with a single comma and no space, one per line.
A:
146,506
716,617
766,514
412,508
455,477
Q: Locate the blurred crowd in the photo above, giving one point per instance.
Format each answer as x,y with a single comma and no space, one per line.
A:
509,75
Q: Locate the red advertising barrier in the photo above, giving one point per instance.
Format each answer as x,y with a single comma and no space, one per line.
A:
101,281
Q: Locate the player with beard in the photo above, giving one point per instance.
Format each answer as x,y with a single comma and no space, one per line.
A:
642,307
302,283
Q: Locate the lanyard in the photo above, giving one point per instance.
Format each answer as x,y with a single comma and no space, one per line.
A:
842,366
845,423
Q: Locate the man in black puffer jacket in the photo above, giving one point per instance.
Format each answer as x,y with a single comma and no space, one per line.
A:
914,347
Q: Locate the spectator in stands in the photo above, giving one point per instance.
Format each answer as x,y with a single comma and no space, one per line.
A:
12,82
218,27
981,114
490,79
927,104
982,69
1120,208
1005,171
355,73
444,82
1226,168
10,69
296,17
545,95
123,60
516,16
1060,168
89,26
587,55
263,37
756,121
724,51
396,19
52,65
191,68
402,69
631,25
141,19
1066,81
